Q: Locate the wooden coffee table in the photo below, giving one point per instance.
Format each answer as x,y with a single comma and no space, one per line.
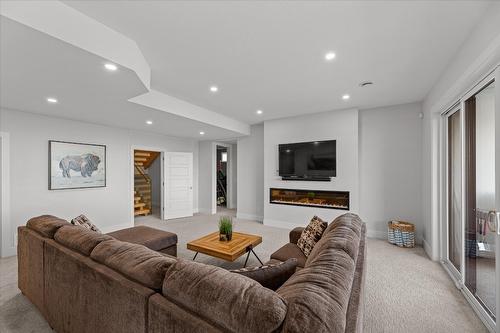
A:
228,250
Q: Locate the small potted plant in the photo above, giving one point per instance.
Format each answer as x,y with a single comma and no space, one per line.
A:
311,196
225,228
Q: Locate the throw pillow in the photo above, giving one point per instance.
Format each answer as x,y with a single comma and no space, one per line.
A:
271,276
83,221
311,235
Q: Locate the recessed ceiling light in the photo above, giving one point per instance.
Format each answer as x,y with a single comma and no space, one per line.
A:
202,133
110,67
259,111
330,56
214,89
149,122
51,100
346,97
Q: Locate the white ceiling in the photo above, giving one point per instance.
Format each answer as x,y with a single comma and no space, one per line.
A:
34,66
261,55
270,55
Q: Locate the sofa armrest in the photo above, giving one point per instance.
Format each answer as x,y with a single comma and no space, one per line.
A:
295,234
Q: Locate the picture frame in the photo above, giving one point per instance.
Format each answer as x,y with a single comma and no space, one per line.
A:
74,165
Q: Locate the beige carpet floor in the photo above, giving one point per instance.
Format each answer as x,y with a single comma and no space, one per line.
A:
405,291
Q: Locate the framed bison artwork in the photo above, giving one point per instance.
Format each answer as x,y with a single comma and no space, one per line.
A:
76,165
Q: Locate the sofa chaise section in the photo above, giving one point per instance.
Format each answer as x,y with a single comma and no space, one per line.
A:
154,239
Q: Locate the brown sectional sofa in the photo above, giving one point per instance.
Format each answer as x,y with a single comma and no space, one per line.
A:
96,283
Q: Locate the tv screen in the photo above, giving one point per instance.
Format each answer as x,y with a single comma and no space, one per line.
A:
308,159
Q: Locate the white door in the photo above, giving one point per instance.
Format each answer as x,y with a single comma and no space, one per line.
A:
178,187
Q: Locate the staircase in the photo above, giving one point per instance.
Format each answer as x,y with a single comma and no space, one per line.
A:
142,182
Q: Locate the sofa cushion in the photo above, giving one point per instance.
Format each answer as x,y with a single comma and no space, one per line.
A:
83,221
231,301
318,296
79,238
348,219
46,225
295,234
288,251
311,235
344,235
270,275
154,239
137,262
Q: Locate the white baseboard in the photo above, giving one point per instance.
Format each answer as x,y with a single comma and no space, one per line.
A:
428,250
282,224
252,217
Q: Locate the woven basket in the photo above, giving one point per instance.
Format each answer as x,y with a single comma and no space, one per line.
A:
401,233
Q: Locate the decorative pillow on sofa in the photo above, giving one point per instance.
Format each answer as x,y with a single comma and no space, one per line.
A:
83,221
272,275
311,235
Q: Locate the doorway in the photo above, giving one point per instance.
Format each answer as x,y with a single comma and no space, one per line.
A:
224,185
221,178
147,183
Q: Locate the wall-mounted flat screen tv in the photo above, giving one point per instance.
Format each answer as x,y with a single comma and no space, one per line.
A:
316,159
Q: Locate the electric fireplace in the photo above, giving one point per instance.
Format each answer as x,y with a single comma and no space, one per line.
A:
310,198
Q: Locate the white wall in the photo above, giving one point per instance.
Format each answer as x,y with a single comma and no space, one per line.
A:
386,185
110,208
390,140
479,54
335,125
207,177
250,170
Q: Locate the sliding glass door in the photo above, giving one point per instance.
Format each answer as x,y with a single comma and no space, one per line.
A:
471,208
481,217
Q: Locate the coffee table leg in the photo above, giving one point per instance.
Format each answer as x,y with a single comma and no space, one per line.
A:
255,254
250,249
195,256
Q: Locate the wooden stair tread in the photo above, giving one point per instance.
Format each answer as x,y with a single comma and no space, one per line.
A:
141,212
146,158
142,182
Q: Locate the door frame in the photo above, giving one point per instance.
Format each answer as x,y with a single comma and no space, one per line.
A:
445,246
8,238
229,175
132,173
459,280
